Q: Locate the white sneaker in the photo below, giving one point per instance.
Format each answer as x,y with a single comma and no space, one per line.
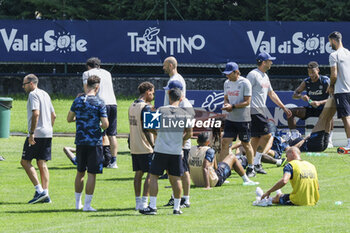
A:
263,203
89,209
79,207
295,134
330,144
250,183
112,165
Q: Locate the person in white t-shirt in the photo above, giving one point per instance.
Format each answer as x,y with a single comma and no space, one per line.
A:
339,61
261,88
105,93
170,68
41,117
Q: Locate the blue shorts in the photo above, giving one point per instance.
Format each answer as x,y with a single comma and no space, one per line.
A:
141,162
260,125
90,158
223,172
342,101
284,200
41,150
317,142
312,112
171,163
242,129
185,164
112,119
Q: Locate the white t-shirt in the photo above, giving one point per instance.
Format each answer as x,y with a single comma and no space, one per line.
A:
172,78
40,100
186,105
236,91
106,92
341,59
260,88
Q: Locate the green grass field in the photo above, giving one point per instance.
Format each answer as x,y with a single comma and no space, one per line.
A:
222,209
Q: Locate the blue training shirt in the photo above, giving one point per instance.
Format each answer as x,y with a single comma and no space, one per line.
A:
88,110
317,90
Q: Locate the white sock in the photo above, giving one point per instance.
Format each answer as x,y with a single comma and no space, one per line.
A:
88,199
187,199
153,202
278,191
245,178
144,201
46,191
177,203
331,136
257,158
77,200
38,188
278,162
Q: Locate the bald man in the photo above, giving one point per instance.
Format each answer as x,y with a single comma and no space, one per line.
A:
303,178
170,68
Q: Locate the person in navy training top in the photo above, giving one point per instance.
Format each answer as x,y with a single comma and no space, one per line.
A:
88,111
316,87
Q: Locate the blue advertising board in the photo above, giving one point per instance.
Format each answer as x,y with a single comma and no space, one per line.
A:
214,42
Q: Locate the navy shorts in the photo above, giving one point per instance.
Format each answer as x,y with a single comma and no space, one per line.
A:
90,158
312,112
284,200
40,151
171,163
185,165
141,162
342,101
112,119
259,126
242,129
317,142
223,172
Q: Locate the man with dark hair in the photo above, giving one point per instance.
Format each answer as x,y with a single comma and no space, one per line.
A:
339,61
141,142
316,87
205,172
88,111
105,93
168,150
41,117
261,88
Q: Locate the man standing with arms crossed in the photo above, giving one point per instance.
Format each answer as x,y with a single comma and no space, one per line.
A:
237,97
88,111
41,117
105,93
339,62
141,142
261,88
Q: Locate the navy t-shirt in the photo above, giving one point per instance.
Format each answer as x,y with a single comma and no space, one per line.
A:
317,90
88,110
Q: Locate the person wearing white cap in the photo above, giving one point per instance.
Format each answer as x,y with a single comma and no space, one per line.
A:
261,88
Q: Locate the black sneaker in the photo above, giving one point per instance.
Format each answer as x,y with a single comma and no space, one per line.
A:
148,211
183,204
177,212
259,169
170,202
164,177
250,172
38,197
2,158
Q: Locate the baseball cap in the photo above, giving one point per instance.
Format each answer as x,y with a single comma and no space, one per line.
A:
230,67
263,56
174,84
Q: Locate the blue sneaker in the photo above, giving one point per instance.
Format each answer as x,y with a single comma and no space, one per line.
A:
38,197
46,200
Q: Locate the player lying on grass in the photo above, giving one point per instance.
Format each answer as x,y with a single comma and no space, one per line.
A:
204,170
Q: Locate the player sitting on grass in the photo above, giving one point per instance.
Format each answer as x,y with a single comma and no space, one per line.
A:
204,170
303,178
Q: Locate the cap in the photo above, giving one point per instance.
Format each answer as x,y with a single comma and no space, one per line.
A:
230,67
174,84
263,56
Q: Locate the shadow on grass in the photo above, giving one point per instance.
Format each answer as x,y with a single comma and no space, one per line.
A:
12,203
118,179
123,152
56,168
66,210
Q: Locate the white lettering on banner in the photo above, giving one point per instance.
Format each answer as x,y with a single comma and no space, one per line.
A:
152,44
310,44
60,42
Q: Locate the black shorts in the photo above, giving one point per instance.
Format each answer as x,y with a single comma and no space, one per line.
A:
242,129
259,126
317,142
40,151
90,158
284,200
312,112
342,101
112,119
171,163
185,165
141,162
223,172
